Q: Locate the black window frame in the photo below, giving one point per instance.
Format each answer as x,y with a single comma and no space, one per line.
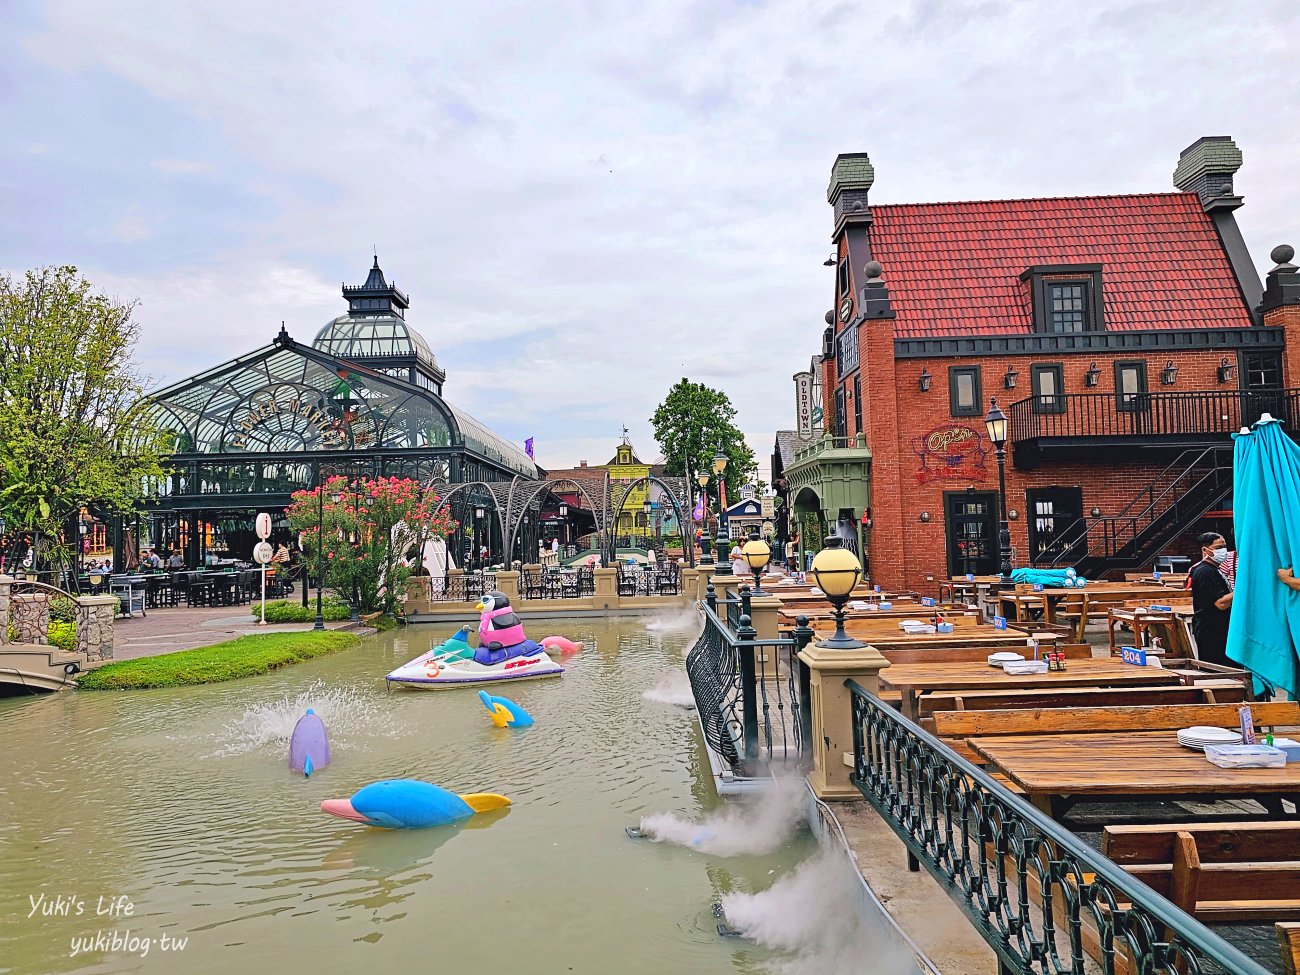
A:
843,284
857,403
956,409
1140,402
1041,277
1049,299
1036,370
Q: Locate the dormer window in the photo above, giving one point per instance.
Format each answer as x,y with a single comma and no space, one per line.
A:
1066,298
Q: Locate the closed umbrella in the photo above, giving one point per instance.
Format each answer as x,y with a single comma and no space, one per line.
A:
1264,632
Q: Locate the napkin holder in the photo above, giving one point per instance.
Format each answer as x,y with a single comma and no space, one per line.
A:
1245,756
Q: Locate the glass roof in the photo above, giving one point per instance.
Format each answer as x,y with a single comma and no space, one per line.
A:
287,399
361,337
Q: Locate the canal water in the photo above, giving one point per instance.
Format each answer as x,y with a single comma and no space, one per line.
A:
178,807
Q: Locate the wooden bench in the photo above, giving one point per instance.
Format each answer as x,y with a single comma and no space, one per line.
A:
1074,697
1218,872
954,727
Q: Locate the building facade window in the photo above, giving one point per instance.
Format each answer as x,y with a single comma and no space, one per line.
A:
1066,298
843,280
1067,307
846,355
964,391
1049,388
1131,385
857,403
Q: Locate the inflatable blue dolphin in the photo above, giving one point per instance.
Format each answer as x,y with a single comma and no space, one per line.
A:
505,712
410,804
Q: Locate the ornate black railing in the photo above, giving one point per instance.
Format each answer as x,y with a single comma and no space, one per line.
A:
1044,900
1211,413
751,694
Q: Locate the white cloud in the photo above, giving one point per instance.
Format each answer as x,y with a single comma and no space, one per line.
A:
132,228
614,196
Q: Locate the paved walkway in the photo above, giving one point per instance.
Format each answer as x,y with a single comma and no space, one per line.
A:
183,628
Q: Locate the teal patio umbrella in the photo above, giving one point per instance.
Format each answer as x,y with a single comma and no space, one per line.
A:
1264,632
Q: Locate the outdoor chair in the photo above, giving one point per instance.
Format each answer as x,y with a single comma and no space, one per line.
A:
586,582
532,585
627,583
668,582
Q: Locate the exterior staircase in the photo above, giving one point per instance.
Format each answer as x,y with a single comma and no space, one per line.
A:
1199,480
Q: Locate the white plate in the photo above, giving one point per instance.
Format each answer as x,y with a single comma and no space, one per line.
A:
1204,733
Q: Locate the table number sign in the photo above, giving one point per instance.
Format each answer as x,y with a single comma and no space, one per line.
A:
999,622
1156,575
1134,656
1160,609
1038,587
970,576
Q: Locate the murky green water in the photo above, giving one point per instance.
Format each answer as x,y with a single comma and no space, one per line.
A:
181,803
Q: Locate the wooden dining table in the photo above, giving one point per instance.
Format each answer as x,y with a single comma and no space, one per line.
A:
912,680
1127,766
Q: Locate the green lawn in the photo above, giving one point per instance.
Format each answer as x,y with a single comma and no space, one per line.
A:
246,656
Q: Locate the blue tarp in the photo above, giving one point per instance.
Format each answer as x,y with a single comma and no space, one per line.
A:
1045,577
1264,631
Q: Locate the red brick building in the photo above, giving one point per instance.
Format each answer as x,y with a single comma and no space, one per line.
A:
1126,337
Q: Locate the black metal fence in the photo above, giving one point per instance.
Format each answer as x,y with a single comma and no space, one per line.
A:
752,695
1044,900
1207,412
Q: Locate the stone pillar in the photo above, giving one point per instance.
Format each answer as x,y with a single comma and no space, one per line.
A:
606,596
419,595
508,583
832,713
95,626
728,587
6,584
762,615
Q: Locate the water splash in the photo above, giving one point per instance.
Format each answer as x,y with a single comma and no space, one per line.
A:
751,826
812,916
675,621
675,689
349,714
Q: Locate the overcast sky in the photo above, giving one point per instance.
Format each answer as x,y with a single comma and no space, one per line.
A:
586,201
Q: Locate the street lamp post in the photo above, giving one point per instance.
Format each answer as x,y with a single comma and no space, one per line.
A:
720,466
996,422
478,545
706,555
836,571
757,555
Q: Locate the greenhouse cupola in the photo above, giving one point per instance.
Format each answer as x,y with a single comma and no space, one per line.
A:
374,333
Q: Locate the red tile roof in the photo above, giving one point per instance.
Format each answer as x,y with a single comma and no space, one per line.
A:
953,268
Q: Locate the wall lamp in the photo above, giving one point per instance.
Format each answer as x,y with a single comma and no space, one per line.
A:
830,261
925,517
1169,374
1013,514
1096,512
1091,377
924,381
1226,370
1009,380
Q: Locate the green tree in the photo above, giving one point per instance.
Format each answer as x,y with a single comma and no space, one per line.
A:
69,431
691,423
373,536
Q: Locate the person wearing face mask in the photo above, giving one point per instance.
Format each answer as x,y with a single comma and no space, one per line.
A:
1211,601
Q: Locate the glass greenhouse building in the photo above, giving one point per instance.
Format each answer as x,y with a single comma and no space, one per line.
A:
364,399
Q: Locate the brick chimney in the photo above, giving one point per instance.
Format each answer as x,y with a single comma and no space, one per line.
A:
851,179
582,463
1281,307
1206,168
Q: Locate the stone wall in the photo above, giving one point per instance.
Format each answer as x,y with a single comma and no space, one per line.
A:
95,626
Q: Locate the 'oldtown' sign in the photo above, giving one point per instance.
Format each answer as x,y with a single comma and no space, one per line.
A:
950,453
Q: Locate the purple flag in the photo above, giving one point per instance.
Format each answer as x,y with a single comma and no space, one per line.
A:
698,513
528,446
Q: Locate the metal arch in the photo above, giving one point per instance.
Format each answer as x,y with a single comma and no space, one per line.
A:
491,488
537,489
688,544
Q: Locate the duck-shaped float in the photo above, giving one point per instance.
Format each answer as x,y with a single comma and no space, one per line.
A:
504,653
